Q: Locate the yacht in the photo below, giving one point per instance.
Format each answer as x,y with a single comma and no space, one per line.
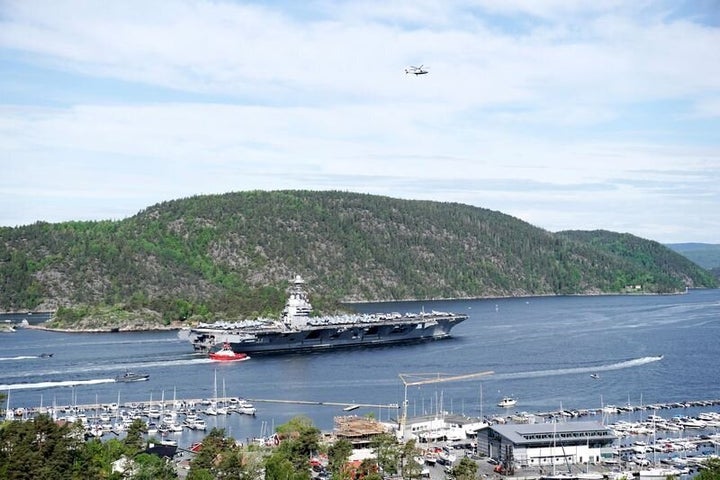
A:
507,402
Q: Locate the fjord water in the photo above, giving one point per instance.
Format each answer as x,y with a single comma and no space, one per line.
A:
542,351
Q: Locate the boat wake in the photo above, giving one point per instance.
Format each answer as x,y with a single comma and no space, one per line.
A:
65,383
635,362
165,363
114,367
21,357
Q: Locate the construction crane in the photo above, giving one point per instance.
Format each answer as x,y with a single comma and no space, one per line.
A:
414,379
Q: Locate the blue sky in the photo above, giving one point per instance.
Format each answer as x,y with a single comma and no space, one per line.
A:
567,114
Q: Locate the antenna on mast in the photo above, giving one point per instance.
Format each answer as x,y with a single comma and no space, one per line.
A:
413,379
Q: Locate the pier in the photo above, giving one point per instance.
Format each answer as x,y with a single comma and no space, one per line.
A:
346,406
606,410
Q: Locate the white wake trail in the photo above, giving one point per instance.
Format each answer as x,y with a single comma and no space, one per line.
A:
635,362
64,383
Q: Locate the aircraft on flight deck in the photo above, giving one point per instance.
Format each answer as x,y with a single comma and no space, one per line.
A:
416,70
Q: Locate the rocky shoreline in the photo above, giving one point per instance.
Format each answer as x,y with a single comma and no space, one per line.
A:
107,329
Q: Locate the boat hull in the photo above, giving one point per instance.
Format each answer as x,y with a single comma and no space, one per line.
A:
225,358
132,379
326,338
298,331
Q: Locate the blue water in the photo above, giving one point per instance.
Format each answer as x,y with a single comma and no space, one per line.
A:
542,351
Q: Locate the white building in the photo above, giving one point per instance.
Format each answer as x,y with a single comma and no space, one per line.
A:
543,444
448,427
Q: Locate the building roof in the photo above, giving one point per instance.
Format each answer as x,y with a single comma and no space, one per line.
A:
547,432
354,427
447,419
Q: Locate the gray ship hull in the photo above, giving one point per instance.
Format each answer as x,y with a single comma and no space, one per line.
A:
326,337
297,330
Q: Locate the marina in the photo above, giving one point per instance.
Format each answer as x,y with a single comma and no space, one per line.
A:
676,444
708,419
653,356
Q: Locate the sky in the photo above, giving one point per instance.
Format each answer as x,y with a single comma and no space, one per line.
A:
567,114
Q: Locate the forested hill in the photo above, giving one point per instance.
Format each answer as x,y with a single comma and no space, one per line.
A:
233,255
662,264
707,255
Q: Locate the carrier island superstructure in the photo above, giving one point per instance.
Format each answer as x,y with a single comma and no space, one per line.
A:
297,330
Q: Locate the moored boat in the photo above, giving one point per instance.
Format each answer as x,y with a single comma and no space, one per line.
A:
226,354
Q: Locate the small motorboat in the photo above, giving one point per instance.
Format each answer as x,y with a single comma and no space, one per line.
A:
595,376
45,355
226,354
132,377
507,402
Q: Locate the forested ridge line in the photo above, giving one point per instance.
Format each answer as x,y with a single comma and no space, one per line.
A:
232,255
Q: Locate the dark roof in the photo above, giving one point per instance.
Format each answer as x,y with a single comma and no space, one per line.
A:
547,432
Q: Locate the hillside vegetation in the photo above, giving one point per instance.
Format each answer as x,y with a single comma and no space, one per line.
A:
232,256
707,255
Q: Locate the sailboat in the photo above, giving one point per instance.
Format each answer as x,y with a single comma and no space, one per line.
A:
557,476
9,414
655,472
222,409
212,409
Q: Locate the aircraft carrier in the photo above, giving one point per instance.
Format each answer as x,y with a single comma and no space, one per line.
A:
297,330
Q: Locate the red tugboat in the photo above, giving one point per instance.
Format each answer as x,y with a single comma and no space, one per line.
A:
226,354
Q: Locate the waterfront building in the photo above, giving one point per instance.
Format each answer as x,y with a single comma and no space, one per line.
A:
543,444
359,431
448,427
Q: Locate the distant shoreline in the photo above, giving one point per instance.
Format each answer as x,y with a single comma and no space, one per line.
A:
532,295
102,330
176,326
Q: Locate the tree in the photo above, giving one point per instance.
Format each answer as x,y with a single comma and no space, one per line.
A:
466,469
222,458
279,467
338,455
92,461
410,468
200,474
39,448
134,438
368,470
710,471
387,452
300,440
152,467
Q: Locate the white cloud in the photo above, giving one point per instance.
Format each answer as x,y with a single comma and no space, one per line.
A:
529,106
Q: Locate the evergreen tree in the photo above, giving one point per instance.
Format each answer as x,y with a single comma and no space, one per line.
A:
134,442
39,448
338,455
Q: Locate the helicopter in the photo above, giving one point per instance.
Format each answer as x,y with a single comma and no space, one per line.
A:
415,70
